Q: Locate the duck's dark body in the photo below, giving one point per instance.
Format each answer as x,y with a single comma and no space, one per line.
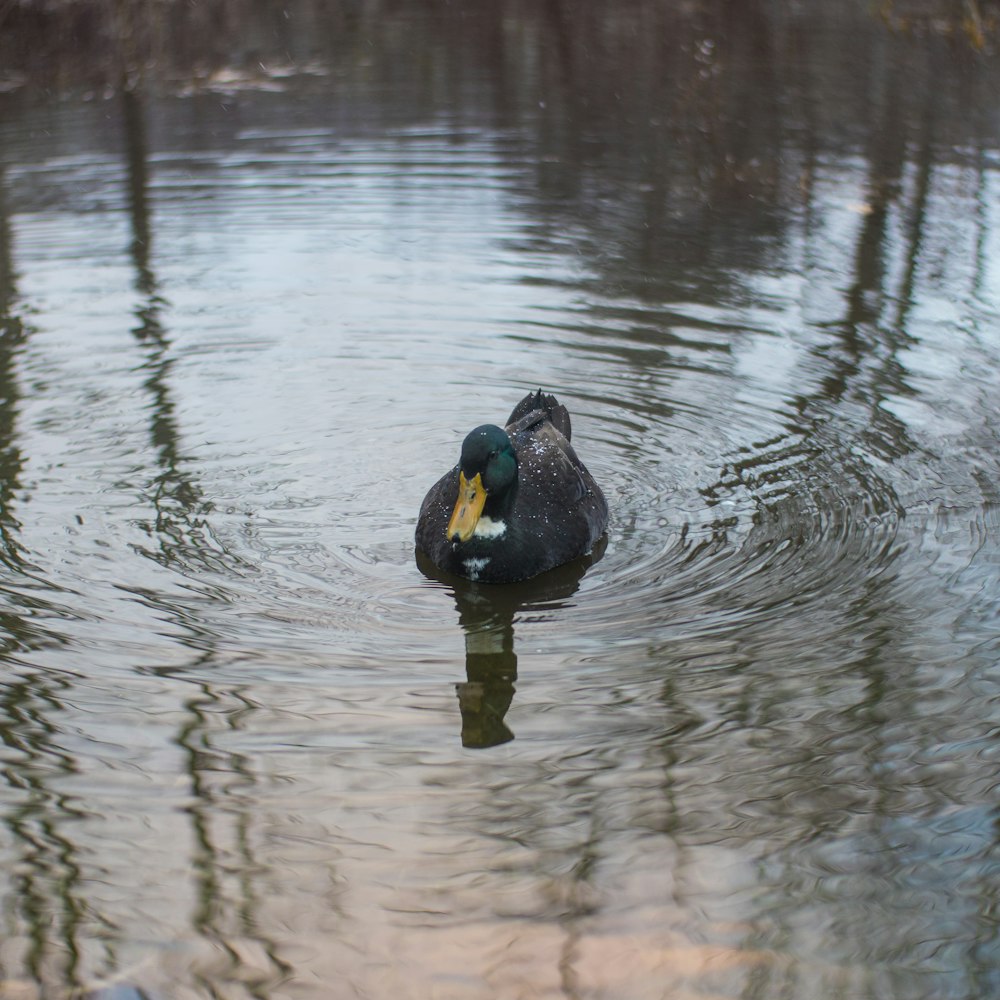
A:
553,511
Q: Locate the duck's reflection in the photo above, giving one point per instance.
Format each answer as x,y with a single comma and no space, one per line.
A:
490,665
487,613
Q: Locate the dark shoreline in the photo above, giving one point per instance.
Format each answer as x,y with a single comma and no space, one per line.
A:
93,45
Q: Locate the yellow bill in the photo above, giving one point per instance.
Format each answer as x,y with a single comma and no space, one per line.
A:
468,507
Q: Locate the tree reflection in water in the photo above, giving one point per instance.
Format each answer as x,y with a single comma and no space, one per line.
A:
672,182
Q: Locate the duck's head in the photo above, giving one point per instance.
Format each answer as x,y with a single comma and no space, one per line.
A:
486,470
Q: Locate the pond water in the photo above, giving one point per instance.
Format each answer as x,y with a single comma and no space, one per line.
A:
250,748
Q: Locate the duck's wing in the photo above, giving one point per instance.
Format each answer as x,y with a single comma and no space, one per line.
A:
547,461
547,407
561,509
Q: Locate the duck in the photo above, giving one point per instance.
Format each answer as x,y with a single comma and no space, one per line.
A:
518,503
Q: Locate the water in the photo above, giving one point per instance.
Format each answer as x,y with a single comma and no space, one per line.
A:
252,748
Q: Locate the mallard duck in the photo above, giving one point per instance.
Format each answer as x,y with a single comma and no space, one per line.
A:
518,503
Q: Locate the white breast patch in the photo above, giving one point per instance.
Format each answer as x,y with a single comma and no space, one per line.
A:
475,566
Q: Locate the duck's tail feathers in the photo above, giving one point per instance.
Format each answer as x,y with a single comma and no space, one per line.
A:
553,409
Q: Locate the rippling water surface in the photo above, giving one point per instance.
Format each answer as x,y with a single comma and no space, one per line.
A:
251,747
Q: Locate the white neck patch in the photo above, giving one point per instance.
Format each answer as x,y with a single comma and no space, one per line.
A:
486,527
